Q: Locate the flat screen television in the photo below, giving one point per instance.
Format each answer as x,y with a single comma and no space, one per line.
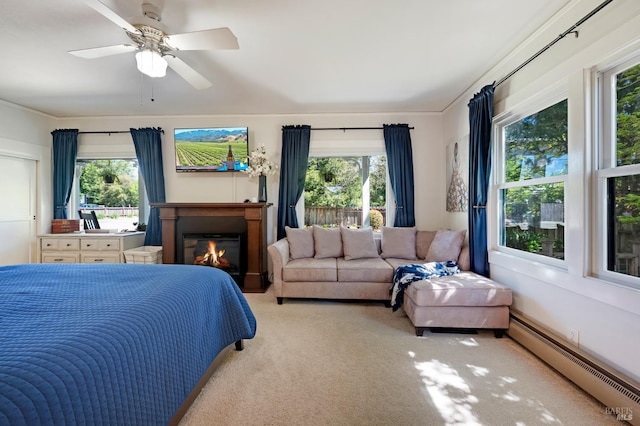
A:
211,149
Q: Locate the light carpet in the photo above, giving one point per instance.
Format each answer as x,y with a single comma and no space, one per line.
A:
354,363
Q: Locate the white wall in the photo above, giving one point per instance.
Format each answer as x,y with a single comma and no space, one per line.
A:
267,130
606,315
27,134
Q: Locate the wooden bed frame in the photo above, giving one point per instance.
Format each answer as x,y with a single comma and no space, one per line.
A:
186,404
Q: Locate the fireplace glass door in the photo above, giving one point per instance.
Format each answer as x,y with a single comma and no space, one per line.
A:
222,251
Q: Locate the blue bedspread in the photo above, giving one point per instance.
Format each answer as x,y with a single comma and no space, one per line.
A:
406,274
117,344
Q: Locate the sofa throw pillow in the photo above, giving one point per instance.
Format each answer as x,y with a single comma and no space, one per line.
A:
446,245
328,242
399,243
423,242
300,242
358,243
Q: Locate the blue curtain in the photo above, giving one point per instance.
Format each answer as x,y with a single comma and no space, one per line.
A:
148,146
480,126
65,152
293,170
397,142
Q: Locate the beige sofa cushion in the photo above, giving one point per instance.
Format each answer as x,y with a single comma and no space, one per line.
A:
398,243
358,243
462,289
423,241
395,263
310,269
300,242
328,242
365,270
446,245
463,259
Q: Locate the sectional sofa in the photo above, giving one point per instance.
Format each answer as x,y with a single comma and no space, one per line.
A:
343,263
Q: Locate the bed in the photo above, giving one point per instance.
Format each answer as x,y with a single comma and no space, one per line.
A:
112,344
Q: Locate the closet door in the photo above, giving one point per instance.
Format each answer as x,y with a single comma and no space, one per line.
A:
17,210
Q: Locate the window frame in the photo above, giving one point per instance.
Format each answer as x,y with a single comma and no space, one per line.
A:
499,183
102,146
359,148
74,205
604,167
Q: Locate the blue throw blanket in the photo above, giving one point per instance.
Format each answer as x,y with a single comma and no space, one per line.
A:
406,274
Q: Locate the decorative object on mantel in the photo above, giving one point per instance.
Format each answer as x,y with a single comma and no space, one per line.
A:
262,188
260,166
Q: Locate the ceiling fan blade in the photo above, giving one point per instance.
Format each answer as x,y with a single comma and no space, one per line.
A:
99,52
111,15
216,38
189,74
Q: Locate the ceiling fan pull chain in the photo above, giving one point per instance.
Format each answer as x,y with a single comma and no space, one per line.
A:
141,89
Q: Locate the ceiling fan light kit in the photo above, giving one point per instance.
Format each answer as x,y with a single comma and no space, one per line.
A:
153,51
151,63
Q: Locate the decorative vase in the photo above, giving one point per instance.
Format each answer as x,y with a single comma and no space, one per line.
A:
262,188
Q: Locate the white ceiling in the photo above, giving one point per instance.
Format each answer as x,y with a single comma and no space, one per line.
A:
295,56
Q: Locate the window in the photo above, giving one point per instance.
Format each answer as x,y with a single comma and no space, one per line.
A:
531,186
349,191
110,188
618,171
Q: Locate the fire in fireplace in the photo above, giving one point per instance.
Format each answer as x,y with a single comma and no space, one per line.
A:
213,257
222,251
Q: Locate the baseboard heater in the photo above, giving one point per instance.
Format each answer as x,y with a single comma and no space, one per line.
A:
619,394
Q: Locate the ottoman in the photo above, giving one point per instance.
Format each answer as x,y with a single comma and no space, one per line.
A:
462,301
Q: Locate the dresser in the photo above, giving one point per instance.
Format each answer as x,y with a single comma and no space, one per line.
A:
87,248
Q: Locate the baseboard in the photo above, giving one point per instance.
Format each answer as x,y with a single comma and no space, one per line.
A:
619,394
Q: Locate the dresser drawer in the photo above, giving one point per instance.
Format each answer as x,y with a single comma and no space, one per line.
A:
109,244
100,258
59,258
70,244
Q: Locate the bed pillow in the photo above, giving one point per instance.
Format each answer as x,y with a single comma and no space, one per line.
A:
423,242
399,243
328,242
446,245
300,242
358,243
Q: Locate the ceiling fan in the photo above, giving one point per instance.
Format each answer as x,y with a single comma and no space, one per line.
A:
155,48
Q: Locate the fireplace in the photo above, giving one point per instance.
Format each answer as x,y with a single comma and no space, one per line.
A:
249,220
222,251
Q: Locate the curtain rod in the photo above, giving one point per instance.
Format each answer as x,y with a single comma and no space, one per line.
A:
104,133
350,128
571,30
108,132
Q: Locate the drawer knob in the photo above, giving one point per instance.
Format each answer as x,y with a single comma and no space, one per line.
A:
68,245
58,260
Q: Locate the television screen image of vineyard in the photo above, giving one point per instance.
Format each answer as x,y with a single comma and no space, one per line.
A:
217,149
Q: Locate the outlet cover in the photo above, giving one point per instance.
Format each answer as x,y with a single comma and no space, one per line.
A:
574,336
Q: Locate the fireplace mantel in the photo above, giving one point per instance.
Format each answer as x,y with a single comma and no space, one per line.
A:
255,216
